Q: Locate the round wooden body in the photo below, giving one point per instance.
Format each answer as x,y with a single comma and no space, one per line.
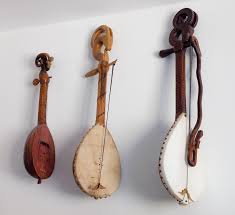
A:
96,180
183,182
39,154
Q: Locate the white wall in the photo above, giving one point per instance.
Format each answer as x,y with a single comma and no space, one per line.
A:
142,110
17,14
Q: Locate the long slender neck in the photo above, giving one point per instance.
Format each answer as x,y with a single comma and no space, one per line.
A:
100,112
180,83
44,81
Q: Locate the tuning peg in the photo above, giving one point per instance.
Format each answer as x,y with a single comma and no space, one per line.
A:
91,73
166,52
95,71
36,81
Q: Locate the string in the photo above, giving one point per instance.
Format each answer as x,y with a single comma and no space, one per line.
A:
188,126
190,87
106,124
189,108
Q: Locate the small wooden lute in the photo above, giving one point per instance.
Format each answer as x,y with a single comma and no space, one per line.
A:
39,153
179,166
96,165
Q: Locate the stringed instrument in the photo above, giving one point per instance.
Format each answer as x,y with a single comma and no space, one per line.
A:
96,165
39,153
179,165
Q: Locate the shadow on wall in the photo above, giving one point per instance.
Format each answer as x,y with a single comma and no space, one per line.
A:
29,118
143,177
63,175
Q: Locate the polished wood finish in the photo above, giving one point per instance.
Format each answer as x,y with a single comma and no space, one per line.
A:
39,154
180,84
196,134
44,81
181,37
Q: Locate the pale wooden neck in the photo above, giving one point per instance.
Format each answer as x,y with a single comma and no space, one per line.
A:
101,98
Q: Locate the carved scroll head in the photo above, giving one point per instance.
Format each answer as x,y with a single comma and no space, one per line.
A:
44,61
184,22
101,42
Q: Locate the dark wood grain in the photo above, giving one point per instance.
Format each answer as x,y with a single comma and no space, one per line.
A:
180,84
181,37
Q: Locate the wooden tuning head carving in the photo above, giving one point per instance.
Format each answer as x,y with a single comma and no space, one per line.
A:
102,39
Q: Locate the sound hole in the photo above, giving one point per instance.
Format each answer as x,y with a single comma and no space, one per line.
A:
43,156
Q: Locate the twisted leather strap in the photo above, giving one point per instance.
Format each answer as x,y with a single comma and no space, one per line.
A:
196,134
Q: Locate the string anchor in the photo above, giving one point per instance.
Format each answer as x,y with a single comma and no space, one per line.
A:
96,71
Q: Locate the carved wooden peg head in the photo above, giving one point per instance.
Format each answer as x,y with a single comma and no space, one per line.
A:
184,23
184,18
102,39
44,61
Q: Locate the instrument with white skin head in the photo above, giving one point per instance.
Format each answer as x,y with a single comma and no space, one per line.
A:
180,167
96,165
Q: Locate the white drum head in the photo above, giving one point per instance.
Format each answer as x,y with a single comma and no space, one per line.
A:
183,182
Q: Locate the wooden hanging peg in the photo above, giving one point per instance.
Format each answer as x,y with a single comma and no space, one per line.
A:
96,165
179,166
39,153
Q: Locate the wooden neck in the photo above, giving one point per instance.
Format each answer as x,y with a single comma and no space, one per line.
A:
44,81
180,83
101,98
